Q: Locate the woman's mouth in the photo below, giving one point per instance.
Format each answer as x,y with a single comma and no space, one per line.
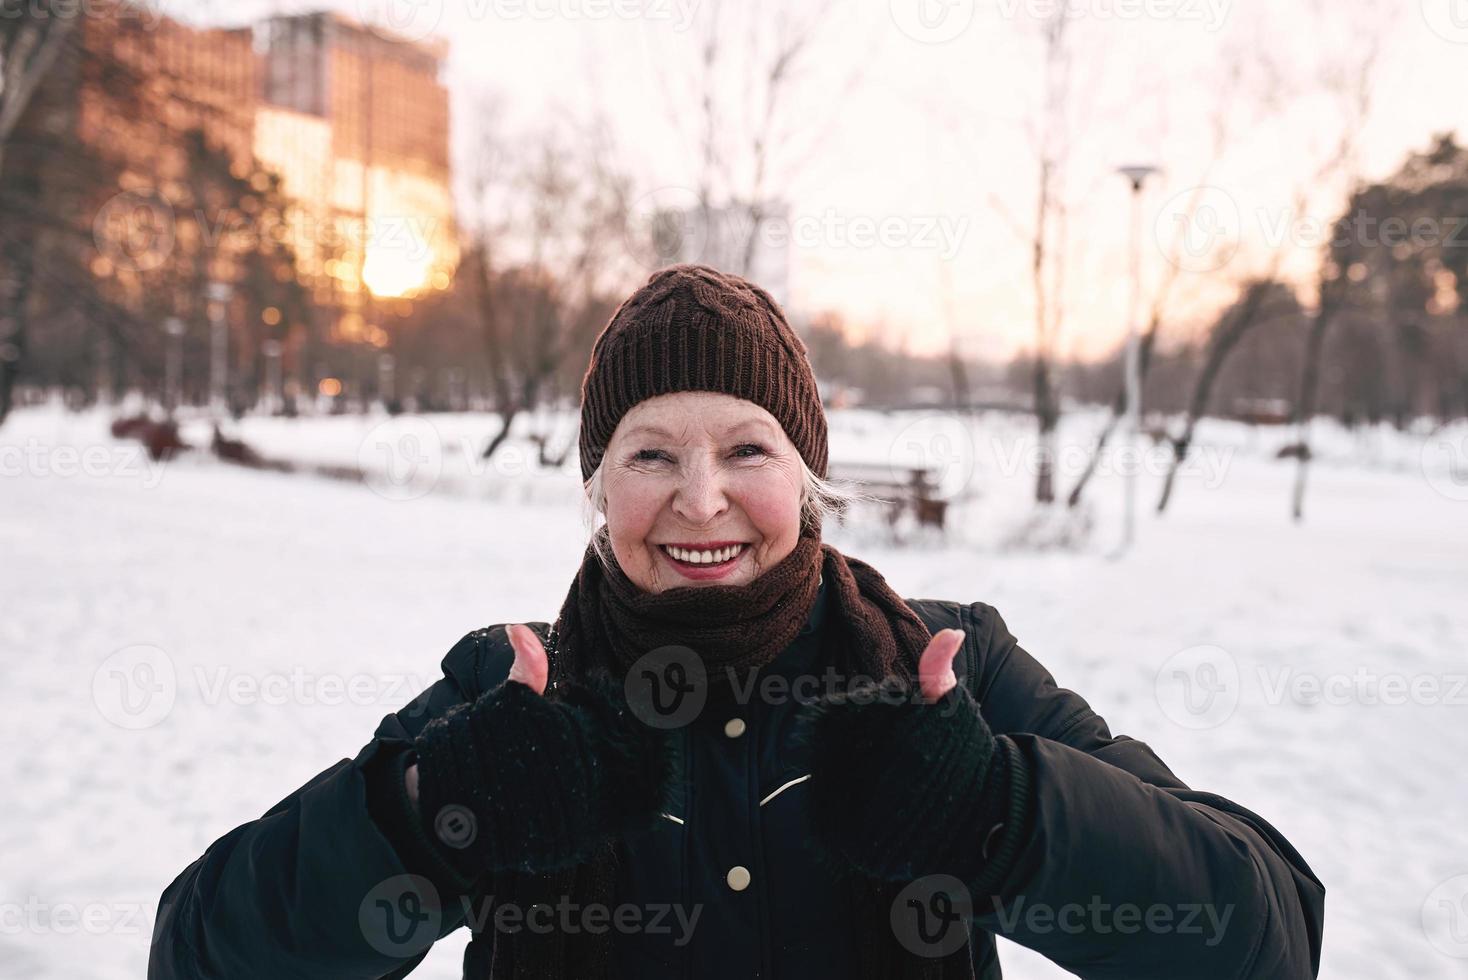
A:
704,563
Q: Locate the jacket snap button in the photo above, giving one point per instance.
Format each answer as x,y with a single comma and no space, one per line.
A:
738,877
734,727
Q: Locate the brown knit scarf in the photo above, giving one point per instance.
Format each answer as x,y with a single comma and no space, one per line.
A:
606,623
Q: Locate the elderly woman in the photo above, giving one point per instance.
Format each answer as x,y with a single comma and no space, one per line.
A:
739,753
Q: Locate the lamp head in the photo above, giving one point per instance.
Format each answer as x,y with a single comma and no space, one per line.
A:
1137,173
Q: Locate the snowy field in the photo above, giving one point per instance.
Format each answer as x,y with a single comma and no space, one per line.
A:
264,623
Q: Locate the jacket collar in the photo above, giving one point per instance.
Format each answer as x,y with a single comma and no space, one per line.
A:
799,657
817,610
802,652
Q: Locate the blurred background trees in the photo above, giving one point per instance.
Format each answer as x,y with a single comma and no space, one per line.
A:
158,239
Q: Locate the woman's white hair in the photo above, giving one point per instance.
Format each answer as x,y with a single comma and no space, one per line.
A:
819,499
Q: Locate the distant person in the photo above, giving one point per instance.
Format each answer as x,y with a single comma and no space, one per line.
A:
739,753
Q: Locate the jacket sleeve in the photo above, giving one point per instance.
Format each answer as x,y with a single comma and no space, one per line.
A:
318,887
1121,869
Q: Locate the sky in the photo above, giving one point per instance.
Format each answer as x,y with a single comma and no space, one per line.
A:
906,142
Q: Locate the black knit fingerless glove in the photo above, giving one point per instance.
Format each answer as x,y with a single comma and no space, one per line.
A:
519,781
902,788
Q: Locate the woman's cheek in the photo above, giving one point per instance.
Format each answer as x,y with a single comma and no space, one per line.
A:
772,502
632,507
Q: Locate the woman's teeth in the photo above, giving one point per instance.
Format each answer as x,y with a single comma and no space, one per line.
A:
704,557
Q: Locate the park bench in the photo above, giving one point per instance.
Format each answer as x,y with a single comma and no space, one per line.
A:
896,488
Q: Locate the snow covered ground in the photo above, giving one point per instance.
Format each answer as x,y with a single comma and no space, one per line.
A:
184,645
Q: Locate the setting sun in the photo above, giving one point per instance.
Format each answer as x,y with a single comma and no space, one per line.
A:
393,271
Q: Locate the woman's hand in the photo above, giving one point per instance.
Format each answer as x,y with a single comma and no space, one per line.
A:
935,666
531,668
519,780
906,781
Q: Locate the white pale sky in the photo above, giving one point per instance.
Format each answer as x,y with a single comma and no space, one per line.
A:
917,117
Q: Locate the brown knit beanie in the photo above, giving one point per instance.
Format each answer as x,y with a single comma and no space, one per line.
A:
693,328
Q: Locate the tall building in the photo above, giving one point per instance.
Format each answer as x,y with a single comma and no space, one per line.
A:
202,78
357,124
140,198
127,92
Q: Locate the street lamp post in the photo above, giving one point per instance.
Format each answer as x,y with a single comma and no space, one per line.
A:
273,400
386,380
1137,174
219,294
173,367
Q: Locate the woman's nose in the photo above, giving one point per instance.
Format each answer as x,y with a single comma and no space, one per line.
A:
700,498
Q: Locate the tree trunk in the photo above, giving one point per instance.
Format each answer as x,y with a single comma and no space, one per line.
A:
15,283
494,346
1118,409
17,271
1046,415
508,416
32,51
962,400
1305,403
1075,494
1218,351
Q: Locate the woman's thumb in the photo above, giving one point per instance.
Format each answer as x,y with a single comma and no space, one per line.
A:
530,667
935,667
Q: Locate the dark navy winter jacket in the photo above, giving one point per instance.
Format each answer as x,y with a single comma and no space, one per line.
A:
1125,872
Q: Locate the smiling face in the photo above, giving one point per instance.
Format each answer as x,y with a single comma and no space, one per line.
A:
702,471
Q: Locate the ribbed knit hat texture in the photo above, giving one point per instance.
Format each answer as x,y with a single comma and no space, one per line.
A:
694,328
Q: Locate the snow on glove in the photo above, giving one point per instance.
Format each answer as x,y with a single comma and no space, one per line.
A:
517,780
902,787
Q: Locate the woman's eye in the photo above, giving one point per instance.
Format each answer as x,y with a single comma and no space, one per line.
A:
746,451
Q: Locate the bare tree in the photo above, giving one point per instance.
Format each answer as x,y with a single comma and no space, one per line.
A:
1220,132
31,39
1251,309
1351,83
1358,94
1045,236
957,371
792,42
1244,316
544,265
751,140
1048,249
